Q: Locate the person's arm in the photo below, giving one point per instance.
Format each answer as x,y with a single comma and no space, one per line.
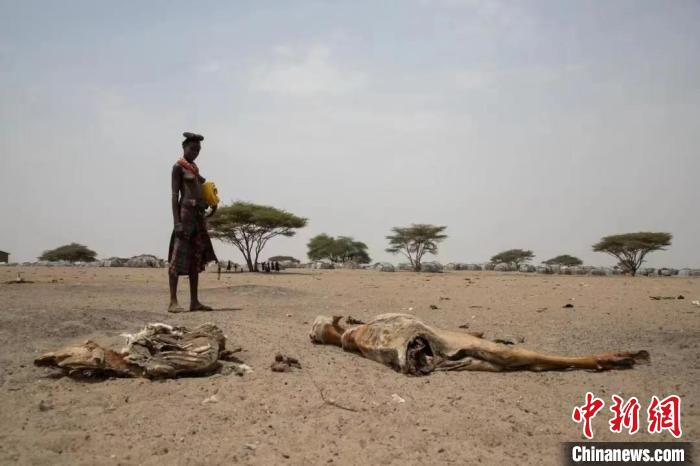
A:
176,183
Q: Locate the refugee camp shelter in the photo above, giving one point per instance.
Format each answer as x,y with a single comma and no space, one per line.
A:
4,257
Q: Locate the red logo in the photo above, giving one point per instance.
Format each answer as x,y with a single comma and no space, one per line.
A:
661,415
587,412
625,415
665,415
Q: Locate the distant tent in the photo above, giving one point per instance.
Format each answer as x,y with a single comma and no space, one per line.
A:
4,257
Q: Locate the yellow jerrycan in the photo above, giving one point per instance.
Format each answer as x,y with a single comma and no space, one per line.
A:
210,194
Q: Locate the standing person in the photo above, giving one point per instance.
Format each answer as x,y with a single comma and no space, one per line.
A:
277,266
190,246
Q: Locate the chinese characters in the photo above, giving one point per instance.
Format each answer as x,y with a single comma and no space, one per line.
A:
662,415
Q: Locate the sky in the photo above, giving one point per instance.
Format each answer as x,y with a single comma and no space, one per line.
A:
540,125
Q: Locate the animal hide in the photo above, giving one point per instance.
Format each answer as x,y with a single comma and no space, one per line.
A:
409,346
157,351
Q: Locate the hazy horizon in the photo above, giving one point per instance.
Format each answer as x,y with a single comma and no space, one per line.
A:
539,125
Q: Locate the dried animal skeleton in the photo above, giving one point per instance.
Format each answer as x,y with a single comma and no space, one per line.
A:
157,351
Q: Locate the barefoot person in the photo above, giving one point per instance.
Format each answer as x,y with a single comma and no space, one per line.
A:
190,246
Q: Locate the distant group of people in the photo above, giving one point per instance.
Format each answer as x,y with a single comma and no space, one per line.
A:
230,266
270,266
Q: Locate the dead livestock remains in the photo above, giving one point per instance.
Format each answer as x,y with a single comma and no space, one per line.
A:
409,346
159,351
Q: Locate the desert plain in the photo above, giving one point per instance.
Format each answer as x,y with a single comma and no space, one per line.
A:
338,408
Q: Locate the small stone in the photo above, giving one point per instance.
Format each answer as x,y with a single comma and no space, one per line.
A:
45,406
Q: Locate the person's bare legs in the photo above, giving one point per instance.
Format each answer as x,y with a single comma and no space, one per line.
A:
195,305
174,306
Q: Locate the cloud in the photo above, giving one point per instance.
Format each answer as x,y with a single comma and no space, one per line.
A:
305,72
471,80
212,66
481,80
458,3
491,23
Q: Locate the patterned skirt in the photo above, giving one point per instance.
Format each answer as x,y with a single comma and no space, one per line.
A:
192,250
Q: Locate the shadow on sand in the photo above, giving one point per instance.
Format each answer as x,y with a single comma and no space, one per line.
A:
282,274
220,309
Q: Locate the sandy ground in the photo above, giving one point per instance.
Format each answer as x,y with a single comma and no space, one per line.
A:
281,418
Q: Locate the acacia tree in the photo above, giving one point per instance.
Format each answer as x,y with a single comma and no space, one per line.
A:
564,259
250,226
513,256
72,252
631,248
320,247
337,250
415,241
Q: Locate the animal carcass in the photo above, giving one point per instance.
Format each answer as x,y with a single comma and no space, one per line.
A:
157,351
409,346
